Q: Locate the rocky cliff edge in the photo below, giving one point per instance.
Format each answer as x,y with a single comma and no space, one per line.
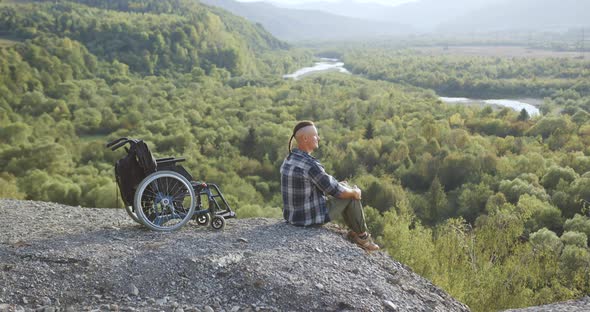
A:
60,258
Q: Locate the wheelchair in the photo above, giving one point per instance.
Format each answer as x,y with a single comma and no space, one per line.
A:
161,195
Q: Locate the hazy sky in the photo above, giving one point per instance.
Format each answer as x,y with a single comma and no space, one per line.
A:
286,2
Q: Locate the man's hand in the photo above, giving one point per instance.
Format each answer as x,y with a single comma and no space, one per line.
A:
351,192
357,192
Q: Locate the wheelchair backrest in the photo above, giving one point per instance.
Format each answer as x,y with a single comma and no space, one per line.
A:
133,168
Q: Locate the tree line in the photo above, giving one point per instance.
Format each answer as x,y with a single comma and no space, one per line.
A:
565,82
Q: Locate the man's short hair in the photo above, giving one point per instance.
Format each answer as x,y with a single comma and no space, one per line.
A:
300,125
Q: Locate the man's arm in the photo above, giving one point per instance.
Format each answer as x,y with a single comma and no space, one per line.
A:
350,192
330,185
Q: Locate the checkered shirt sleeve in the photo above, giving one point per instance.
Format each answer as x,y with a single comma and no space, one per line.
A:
304,185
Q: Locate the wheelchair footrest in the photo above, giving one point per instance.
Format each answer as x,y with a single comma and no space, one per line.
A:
227,214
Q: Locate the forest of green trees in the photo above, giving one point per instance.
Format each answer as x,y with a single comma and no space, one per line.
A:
489,204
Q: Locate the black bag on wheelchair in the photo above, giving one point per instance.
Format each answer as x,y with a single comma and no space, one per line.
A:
134,167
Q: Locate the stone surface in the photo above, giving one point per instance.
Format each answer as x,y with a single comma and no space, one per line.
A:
88,259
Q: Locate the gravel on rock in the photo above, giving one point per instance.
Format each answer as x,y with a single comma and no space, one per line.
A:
61,258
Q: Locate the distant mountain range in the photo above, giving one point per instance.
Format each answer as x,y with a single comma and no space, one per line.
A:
422,15
305,24
350,19
543,15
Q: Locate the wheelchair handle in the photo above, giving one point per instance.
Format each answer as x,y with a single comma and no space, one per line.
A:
116,146
120,142
113,142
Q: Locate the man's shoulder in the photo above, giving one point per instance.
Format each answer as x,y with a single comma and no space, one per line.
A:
296,156
298,160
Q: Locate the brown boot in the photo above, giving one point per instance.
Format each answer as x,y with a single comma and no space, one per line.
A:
365,243
351,236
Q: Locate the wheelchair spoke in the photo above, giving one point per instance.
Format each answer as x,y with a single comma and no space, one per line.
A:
167,201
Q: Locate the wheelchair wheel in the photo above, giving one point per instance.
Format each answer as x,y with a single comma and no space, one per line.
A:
218,223
165,201
132,214
203,219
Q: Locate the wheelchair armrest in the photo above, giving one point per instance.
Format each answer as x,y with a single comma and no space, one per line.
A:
163,159
169,163
169,160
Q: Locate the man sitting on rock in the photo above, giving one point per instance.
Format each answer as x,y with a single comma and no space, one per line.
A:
305,186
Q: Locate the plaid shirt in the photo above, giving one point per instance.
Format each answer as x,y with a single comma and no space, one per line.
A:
304,184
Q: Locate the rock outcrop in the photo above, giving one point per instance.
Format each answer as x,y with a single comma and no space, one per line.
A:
61,258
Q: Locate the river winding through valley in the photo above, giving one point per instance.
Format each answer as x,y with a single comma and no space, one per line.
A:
329,64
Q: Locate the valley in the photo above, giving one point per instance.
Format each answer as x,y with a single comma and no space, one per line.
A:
499,51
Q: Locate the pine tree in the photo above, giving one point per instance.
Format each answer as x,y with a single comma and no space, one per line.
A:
249,143
438,202
524,115
369,130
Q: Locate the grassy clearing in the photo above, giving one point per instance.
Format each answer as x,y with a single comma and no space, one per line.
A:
498,51
95,137
5,43
14,1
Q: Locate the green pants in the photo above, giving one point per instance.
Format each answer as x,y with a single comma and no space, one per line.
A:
349,210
